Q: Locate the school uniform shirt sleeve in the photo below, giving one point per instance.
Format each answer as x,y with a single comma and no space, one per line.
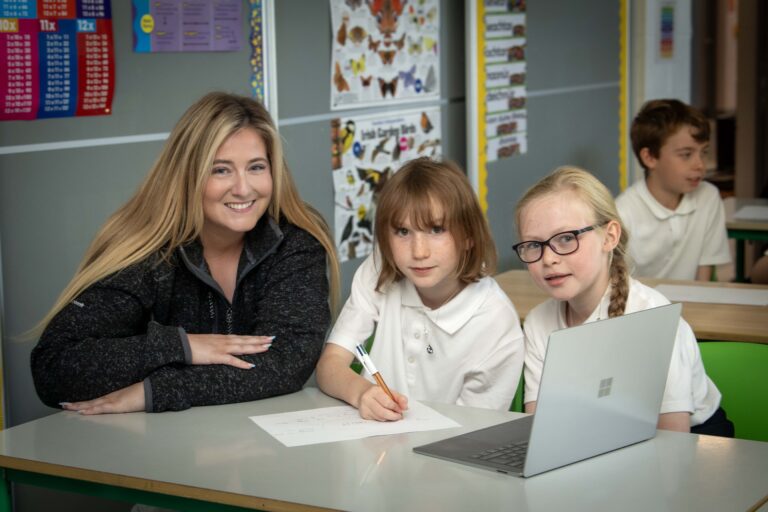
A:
678,395
493,382
104,340
688,388
539,323
358,316
715,250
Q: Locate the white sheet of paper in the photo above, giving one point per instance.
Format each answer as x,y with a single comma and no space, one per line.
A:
714,295
329,424
752,212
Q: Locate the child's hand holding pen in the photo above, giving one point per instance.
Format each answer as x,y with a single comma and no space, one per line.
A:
378,402
375,404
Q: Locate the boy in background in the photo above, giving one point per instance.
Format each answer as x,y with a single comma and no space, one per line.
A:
675,218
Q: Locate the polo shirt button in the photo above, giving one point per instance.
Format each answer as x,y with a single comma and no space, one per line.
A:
411,359
417,335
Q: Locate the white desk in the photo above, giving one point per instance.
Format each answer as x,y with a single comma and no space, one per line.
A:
217,455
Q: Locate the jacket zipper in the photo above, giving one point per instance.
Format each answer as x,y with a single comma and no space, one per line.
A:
214,316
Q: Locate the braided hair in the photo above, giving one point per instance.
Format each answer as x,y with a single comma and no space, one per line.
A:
600,201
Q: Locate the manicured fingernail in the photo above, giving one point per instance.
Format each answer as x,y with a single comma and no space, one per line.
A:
64,404
267,346
271,337
252,366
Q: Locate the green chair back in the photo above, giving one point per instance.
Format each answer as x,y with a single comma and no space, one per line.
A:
356,365
740,372
517,401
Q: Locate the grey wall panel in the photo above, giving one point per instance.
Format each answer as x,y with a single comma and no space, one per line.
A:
571,43
303,38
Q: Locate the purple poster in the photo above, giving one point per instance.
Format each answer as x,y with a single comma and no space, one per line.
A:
187,25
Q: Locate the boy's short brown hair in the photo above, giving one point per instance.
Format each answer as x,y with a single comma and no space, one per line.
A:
660,119
412,193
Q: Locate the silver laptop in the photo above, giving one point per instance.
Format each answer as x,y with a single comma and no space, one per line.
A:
600,390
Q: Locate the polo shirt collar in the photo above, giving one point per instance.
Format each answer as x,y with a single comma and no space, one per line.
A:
686,206
457,312
599,313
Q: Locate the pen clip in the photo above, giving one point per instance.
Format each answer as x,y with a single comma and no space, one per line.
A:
365,359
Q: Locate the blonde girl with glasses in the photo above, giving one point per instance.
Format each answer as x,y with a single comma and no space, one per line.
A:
574,245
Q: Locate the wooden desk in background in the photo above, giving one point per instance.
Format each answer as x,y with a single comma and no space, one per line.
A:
215,458
744,230
714,322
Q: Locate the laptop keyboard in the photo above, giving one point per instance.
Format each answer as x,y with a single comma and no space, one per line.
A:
512,455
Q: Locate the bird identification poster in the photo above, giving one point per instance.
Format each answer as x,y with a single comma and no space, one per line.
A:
57,58
365,152
384,52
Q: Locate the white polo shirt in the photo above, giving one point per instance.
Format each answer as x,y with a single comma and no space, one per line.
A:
688,387
673,244
467,352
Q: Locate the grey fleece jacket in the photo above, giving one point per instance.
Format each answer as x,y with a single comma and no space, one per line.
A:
131,327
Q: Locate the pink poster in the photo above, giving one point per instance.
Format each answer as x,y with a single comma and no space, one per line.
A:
58,59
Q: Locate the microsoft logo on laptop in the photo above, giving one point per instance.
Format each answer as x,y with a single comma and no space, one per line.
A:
605,387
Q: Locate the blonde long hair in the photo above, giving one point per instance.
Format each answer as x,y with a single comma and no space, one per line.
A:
600,201
167,211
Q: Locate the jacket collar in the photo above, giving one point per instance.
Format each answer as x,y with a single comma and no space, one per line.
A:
260,242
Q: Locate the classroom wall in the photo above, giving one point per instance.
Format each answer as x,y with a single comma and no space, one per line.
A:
52,202
572,58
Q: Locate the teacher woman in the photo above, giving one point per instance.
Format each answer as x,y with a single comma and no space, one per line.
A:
209,286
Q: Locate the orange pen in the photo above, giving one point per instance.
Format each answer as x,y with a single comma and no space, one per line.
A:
365,359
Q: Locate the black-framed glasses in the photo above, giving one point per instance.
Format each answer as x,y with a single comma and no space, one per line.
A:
563,243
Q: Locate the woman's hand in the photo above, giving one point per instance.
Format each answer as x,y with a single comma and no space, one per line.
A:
222,348
130,399
374,404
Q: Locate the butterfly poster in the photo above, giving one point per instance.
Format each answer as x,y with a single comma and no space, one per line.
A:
365,152
384,51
